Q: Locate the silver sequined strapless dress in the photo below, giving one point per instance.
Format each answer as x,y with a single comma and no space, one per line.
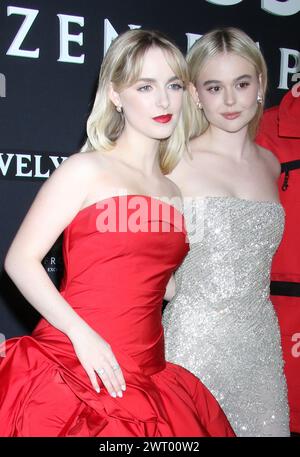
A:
221,325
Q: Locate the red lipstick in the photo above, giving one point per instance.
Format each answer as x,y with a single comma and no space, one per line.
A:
163,119
231,116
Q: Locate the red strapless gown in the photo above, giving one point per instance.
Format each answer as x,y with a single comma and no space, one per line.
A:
116,281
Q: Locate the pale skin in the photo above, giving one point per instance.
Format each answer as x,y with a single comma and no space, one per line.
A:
224,161
82,180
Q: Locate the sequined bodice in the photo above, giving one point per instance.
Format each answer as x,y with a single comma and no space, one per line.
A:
221,324
232,242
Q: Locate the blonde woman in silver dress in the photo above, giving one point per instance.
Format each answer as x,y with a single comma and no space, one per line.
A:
220,324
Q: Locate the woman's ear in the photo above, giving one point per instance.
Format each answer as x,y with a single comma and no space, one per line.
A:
114,96
260,86
194,94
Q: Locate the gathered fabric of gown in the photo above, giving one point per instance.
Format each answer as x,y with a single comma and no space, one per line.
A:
119,254
220,324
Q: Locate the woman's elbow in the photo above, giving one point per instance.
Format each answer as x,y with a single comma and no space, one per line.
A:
14,260
170,290
9,263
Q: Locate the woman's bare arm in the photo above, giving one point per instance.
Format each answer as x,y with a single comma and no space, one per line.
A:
57,202
170,289
55,205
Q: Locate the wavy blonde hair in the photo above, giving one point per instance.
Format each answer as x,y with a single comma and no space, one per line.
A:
229,40
122,66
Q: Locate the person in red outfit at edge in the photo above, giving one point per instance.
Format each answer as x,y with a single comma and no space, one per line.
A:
279,131
94,365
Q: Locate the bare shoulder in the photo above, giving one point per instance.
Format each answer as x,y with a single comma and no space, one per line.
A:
57,202
270,160
174,189
80,172
173,194
179,173
68,186
81,164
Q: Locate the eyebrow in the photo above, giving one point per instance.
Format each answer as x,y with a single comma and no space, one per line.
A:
152,80
214,81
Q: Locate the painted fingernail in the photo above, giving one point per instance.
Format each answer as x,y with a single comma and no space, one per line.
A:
123,387
120,394
114,394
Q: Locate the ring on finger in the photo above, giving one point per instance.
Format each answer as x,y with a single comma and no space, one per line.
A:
115,367
101,371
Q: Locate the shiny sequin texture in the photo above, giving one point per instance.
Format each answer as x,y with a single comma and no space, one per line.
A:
221,325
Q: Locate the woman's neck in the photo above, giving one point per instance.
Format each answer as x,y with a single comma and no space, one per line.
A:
236,145
139,152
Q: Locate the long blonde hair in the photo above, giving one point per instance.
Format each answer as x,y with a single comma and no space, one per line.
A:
229,40
122,66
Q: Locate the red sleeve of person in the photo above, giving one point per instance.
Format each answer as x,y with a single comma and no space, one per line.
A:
280,132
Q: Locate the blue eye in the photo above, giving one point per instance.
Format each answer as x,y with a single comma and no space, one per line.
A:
144,88
176,86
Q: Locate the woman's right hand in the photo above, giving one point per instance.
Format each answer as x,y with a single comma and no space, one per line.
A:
97,359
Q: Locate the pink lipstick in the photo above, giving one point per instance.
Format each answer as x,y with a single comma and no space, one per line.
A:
231,116
163,119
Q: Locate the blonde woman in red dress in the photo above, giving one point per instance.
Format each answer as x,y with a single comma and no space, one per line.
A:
94,365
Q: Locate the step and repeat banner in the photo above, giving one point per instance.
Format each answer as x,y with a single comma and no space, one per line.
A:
50,55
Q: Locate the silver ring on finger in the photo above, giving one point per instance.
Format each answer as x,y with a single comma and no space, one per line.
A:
116,367
101,372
